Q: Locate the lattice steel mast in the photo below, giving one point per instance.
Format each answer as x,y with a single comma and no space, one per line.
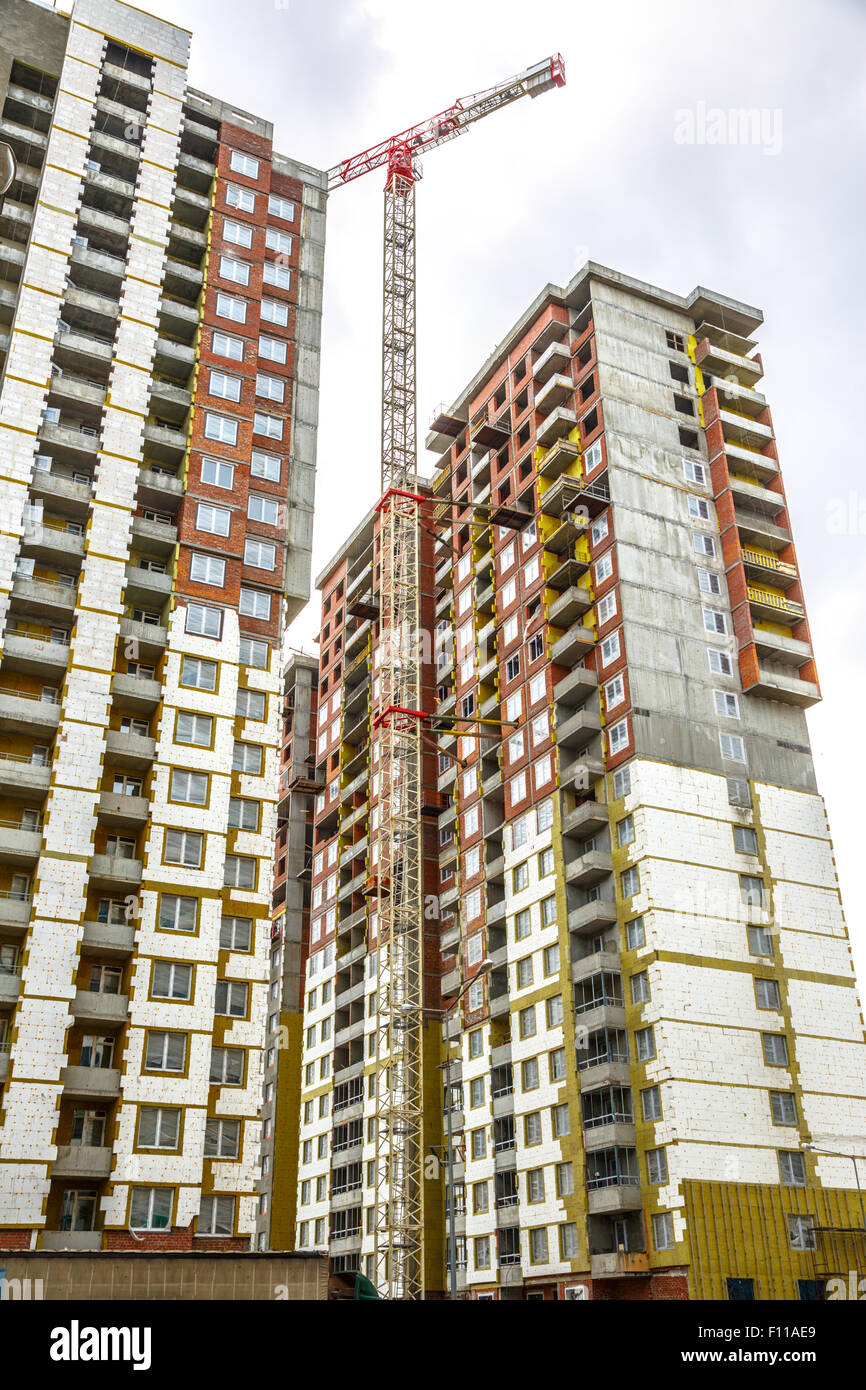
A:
398,866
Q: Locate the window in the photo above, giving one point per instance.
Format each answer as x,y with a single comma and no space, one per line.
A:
183,847
699,507
708,582
622,782
158,1127
792,1166
203,621
250,704
150,1208
277,275
560,1122
532,1128
165,1052
270,425
228,306
645,1044
264,509
651,1103
278,241
224,385
254,653
630,881
216,1216
275,350
732,747
244,813
265,466
232,269
191,787
801,1232
522,925
663,1230
238,233
512,667
524,972
195,729
745,839
606,608
244,164
657,1166
783,1107
207,569
635,935
200,674
226,345
703,545
610,649
715,621
604,568
177,913
254,603
526,1022
727,704
230,1000
548,911
222,1138
240,872
694,472
216,520
273,388
614,693
227,1066
618,736
556,1064
640,989
538,1245
760,941
751,890
599,530
236,934
171,980
775,1046
625,831
281,207
767,994
720,662
272,311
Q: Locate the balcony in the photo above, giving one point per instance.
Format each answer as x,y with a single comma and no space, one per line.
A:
571,604
581,772
91,1083
760,466
592,917
19,844
780,648
585,819
44,598
589,868
618,1264
15,909
23,776
147,586
121,811
102,1010
725,361
774,607
82,1163
50,543
556,425
151,638
10,986
579,730
159,489
775,685
572,646
573,689
35,655
24,712
135,693
583,967
560,457
555,360
127,750
555,393
113,872
743,430
761,566
114,939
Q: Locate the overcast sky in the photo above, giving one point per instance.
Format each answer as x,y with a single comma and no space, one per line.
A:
595,170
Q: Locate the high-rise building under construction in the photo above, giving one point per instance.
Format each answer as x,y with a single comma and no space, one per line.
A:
160,302
643,1028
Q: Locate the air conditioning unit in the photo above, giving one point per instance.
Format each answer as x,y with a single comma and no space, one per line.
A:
578,1292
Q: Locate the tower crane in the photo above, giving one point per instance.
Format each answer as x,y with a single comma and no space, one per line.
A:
397,860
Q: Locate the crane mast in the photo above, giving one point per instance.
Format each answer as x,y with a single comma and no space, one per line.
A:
397,852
